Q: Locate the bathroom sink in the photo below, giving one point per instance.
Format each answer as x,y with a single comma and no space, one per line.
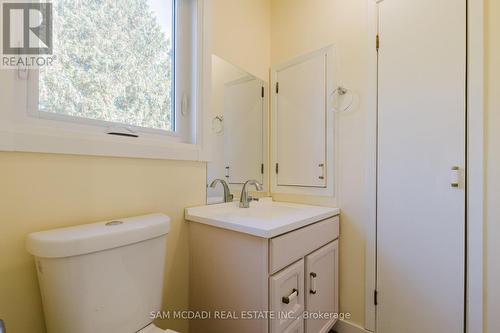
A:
264,218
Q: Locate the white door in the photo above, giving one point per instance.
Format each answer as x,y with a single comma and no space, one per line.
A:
422,119
322,288
301,112
243,115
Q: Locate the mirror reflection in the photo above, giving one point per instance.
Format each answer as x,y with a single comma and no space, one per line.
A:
239,122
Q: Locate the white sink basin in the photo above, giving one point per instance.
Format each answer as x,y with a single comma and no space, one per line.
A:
264,218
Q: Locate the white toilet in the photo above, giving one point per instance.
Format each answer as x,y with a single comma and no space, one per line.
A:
103,277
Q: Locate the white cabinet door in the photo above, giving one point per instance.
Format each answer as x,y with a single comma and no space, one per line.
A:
421,216
243,126
322,289
301,137
296,327
287,296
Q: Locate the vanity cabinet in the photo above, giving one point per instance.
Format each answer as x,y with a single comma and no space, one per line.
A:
284,284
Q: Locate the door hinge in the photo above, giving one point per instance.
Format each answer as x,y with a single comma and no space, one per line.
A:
375,297
262,92
277,168
277,87
377,42
262,168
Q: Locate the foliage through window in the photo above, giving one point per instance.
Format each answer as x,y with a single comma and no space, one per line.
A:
115,62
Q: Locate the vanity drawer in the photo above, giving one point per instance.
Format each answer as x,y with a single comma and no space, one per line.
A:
294,245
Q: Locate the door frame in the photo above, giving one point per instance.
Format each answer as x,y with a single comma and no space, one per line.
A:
475,155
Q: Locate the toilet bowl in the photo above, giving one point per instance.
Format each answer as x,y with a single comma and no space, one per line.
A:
102,277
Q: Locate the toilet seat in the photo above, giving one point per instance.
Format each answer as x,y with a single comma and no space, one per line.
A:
154,329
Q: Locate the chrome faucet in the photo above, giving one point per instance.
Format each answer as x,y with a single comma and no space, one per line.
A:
228,197
245,199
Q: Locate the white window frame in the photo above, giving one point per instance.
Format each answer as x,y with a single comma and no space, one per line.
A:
24,128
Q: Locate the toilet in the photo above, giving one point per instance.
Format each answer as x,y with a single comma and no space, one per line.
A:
103,277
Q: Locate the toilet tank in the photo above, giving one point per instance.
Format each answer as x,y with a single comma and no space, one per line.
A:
103,277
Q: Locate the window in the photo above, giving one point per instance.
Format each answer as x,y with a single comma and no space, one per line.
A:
115,63
130,78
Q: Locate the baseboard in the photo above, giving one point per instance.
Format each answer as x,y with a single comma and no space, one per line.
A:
347,327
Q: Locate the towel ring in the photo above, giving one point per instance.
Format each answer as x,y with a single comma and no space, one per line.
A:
218,125
341,92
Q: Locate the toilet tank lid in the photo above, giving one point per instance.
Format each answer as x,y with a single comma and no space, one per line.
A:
88,238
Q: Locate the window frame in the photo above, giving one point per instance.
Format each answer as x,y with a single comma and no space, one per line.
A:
24,128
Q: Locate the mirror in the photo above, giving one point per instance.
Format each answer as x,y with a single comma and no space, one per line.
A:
239,129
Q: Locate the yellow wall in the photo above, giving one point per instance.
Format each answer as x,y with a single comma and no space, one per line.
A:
44,191
241,34
300,26
493,165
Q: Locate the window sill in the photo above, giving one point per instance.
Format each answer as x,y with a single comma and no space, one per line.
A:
43,140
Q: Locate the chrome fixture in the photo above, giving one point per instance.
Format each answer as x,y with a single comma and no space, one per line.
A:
2,327
245,199
228,197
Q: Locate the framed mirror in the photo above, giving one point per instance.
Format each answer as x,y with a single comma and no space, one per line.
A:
239,129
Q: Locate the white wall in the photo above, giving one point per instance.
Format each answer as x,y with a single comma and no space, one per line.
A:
300,26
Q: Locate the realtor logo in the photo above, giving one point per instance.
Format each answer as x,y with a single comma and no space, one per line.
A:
26,34
27,28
